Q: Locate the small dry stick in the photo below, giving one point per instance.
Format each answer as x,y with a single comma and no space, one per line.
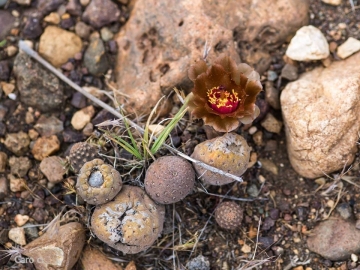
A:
24,47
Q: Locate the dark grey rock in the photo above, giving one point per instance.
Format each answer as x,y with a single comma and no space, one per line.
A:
48,126
38,87
4,69
268,224
32,28
198,263
6,23
272,95
47,6
289,72
74,8
31,231
95,58
78,100
100,13
274,213
335,239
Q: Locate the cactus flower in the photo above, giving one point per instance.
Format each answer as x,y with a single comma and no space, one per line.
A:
224,93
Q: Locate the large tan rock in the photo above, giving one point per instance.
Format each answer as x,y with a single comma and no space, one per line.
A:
322,117
58,45
160,41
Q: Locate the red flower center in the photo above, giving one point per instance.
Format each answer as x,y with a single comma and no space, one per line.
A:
222,101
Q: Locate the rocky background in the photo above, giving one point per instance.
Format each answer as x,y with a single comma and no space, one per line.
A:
300,198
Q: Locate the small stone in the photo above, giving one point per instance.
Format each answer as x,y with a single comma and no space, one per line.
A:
332,2
3,161
16,184
62,251
2,3
258,138
11,50
354,257
19,166
253,191
23,2
53,18
74,8
8,88
289,72
31,231
333,46
88,129
58,45
274,213
100,13
20,220
82,30
38,87
6,23
95,58
269,166
18,236
78,100
53,168
349,47
94,259
344,210
39,215
17,143
47,6
48,126
246,249
32,28
271,124
358,224
45,146
268,223
3,187
4,70
81,118
198,263
84,2
308,44
272,95
106,34
335,230
271,75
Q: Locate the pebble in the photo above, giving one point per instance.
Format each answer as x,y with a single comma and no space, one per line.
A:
17,143
3,161
100,13
53,18
53,168
82,30
268,223
271,75
84,2
16,184
47,6
89,128
198,263
272,95
58,45
269,166
258,138
19,166
271,124
354,257
4,70
31,231
252,130
20,220
93,259
289,72
314,144
6,23
73,7
246,248
344,210
45,146
47,126
253,191
39,215
3,187
332,2
335,239
7,88
32,28
34,81
3,2
308,44
274,213
69,243
95,58
349,47
18,236
106,34
11,50
82,117
23,2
